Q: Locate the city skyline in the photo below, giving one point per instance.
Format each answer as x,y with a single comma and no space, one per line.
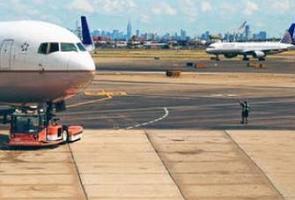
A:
194,16
243,33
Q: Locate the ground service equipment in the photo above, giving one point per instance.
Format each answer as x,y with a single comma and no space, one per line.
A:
34,128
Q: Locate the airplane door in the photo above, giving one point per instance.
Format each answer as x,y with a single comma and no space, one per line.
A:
6,54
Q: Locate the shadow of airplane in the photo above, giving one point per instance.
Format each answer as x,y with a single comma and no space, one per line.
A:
3,140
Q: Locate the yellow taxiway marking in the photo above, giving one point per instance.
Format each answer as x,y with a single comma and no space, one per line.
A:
89,102
105,93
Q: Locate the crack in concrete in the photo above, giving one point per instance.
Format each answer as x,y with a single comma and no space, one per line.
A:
78,173
254,163
167,169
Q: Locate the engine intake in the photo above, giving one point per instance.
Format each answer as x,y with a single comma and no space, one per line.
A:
259,54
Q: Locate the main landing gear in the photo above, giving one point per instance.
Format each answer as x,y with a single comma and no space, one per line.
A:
261,59
245,58
216,58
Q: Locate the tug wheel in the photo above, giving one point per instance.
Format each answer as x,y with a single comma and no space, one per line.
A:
65,136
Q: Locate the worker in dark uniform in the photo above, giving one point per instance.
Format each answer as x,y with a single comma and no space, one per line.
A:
245,112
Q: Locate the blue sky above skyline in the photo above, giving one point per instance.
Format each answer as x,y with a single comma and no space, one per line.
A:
195,16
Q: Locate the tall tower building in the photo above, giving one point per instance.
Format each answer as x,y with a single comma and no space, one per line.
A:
182,34
129,31
247,32
78,30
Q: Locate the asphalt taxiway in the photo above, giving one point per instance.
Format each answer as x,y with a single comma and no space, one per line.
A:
194,101
271,65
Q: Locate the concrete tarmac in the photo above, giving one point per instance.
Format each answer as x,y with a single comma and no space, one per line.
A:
154,164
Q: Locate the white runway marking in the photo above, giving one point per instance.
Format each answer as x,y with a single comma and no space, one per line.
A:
152,121
222,95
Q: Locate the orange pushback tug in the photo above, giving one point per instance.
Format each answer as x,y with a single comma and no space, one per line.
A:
33,129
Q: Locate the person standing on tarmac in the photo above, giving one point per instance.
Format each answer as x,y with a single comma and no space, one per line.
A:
245,112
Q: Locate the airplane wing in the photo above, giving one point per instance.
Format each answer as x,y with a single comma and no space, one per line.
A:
249,51
262,52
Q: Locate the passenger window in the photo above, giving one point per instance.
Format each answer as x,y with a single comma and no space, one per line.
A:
43,48
54,47
66,47
81,47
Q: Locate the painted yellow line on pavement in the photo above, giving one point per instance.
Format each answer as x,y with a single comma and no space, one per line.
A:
89,102
105,93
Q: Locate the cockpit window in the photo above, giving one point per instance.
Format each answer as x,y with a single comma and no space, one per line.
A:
54,47
43,48
47,48
81,47
67,47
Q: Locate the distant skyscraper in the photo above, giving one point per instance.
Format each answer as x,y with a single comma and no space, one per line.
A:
78,30
205,36
115,35
247,32
129,31
137,33
263,35
182,34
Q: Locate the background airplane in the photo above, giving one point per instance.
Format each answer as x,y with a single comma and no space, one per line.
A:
258,50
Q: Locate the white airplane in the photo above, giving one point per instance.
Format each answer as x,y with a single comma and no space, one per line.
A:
258,50
42,63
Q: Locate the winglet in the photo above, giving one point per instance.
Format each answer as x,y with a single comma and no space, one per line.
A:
86,36
289,36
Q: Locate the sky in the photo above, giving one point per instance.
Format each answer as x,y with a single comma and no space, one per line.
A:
161,16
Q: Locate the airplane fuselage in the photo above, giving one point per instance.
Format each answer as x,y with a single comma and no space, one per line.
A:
41,62
255,49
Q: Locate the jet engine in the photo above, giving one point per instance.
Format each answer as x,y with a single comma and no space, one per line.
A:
230,55
259,54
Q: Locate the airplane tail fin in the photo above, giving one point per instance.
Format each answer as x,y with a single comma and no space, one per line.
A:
86,36
289,36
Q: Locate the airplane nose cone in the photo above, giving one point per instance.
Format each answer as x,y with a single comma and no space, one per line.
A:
82,62
89,64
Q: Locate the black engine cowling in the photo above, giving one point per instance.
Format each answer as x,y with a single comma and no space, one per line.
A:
230,55
259,54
